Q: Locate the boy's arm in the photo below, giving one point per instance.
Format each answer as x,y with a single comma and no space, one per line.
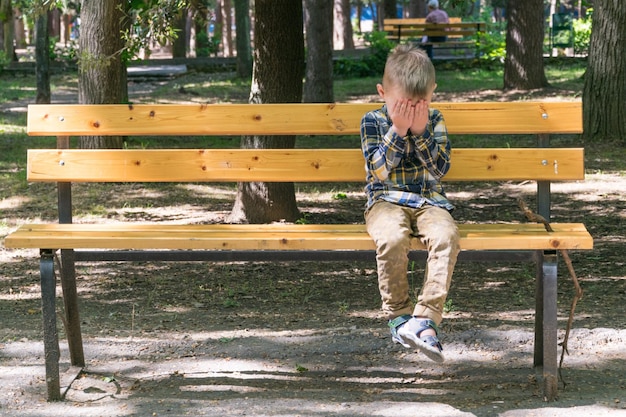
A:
433,147
382,153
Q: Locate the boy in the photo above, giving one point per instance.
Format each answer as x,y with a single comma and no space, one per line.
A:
407,152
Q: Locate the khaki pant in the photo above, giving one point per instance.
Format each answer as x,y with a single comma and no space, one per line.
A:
392,226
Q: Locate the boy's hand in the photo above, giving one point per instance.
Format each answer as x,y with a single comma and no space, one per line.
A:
402,116
420,119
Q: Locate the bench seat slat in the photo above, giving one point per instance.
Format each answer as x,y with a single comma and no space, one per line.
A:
287,119
281,237
280,165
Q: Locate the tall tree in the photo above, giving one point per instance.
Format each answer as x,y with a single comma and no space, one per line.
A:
227,28
604,92
342,25
417,8
102,75
242,38
180,42
42,58
523,65
318,87
8,34
276,78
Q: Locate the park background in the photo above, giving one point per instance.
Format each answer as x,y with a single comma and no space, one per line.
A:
306,339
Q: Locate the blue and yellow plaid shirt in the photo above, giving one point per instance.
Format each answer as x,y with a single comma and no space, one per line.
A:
405,171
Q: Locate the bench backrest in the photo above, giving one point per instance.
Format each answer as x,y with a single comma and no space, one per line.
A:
300,165
289,119
399,29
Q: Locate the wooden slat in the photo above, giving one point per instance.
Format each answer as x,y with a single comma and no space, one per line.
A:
282,119
280,165
281,237
418,33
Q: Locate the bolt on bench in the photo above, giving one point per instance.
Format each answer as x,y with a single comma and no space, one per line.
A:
281,242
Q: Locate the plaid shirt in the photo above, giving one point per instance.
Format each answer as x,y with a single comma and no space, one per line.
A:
405,171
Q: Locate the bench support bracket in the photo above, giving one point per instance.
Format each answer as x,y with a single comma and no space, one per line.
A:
50,333
70,300
546,355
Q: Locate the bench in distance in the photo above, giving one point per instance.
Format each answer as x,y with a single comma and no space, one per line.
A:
460,35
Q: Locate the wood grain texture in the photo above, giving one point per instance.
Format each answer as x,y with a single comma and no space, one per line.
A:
288,119
281,237
292,165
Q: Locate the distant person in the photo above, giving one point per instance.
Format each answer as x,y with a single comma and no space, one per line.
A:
435,15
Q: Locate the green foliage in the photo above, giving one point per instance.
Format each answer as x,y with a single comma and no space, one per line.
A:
62,53
370,65
4,61
493,42
208,45
582,34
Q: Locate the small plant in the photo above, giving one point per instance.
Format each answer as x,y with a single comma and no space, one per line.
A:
448,306
372,64
582,34
301,369
4,61
340,196
304,219
343,306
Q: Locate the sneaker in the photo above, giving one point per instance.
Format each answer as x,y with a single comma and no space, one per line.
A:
407,329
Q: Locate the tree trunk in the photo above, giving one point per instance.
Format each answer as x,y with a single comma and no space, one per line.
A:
6,17
390,9
179,23
227,29
342,25
242,38
276,78
523,66
42,59
318,87
417,8
102,74
200,23
604,92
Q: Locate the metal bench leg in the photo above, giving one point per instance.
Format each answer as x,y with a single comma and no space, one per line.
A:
546,324
70,300
50,334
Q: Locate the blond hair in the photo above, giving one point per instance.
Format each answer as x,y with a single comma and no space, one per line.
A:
409,68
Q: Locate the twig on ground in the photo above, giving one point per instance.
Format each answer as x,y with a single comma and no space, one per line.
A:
534,217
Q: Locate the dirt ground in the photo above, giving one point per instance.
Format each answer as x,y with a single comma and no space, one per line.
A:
307,339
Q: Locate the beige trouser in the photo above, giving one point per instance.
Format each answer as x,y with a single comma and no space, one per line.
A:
392,227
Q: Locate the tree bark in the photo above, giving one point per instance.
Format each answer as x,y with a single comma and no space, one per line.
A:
6,17
342,25
242,38
42,59
523,66
604,92
227,29
417,8
390,9
318,87
276,78
179,45
102,74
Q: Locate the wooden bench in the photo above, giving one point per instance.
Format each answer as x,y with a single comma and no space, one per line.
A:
460,35
281,242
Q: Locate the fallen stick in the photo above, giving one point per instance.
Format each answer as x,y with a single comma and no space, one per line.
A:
536,218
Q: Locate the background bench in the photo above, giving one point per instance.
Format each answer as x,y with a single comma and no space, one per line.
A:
460,35
280,242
